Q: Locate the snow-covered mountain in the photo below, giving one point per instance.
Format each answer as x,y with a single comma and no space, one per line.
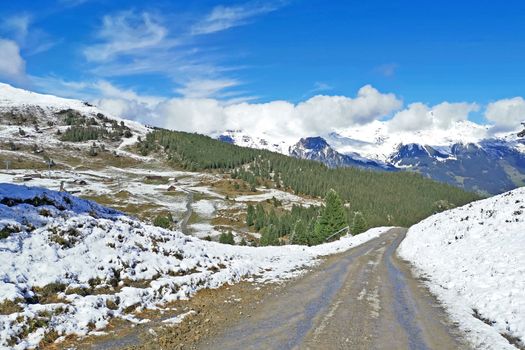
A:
377,140
467,155
35,107
46,128
472,258
240,138
316,148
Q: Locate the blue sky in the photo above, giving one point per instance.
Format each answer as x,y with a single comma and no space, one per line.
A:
261,51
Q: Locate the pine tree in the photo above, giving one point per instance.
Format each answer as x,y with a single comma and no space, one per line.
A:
260,217
250,215
331,219
226,238
269,236
358,223
300,233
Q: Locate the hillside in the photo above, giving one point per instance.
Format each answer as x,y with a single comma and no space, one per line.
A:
472,257
384,198
55,142
71,265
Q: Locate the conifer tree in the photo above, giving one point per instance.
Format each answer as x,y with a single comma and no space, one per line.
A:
226,238
260,217
300,233
358,223
269,236
250,215
331,219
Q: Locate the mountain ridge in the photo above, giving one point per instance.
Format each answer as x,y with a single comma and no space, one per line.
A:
488,165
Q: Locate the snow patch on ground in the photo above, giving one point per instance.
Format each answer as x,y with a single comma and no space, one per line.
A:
474,258
204,207
286,198
75,264
178,319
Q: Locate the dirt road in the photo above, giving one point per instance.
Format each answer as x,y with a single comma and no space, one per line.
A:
362,299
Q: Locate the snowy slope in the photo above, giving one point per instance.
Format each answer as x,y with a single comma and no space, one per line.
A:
377,141
316,148
262,141
73,265
14,98
31,119
474,259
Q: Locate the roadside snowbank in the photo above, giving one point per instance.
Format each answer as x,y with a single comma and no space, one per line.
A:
69,265
474,258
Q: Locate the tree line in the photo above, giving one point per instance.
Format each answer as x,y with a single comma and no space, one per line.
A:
304,225
382,198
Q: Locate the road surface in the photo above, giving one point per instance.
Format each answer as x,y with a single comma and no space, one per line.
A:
365,298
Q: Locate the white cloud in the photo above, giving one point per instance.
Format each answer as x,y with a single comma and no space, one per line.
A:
18,26
506,114
370,104
189,114
280,119
29,39
111,91
415,117
226,17
120,102
12,65
277,118
446,114
72,3
205,88
387,70
317,115
130,43
419,116
127,33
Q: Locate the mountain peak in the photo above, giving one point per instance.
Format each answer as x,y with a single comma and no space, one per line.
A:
316,143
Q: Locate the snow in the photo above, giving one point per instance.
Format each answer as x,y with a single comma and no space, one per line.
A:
13,97
104,264
259,141
45,107
286,198
204,207
473,257
178,319
378,141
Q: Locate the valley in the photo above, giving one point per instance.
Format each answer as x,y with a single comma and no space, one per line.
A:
262,175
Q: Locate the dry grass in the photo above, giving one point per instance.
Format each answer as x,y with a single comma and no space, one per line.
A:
8,307
229,187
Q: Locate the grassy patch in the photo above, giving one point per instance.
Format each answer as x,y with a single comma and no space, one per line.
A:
8,307
195,219
155,180
139,210
49,338
230,187
49,293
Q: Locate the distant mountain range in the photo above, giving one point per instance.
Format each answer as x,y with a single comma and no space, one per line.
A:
468,157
